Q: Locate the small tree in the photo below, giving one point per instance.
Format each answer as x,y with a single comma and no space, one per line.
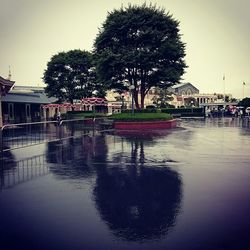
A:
162,98
139,46
244,102
71,75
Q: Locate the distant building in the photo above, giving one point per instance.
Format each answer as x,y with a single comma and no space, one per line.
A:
24,104
183,89
5,87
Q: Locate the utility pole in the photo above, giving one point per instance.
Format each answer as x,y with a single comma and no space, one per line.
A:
243,86
224,88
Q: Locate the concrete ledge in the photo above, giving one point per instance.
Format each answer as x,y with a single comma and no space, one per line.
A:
145,124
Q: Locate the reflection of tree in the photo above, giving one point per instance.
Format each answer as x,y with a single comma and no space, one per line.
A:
74,157
138,202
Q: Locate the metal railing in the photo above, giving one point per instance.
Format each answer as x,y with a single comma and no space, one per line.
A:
14,136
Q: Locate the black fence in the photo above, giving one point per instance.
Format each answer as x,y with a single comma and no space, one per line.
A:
14,136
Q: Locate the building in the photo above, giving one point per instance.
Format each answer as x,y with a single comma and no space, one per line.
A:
5,86
183,89
24,104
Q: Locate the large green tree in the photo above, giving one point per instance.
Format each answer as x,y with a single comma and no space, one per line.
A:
139,46
245,102
71,75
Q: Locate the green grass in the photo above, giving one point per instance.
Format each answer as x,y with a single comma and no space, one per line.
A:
140,116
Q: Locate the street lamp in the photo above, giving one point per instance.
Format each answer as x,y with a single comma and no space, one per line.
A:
94,94
132,87
122,102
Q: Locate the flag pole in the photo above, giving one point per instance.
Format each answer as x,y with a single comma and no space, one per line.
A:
224,88
243,85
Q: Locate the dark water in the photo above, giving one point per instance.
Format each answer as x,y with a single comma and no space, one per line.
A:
186,188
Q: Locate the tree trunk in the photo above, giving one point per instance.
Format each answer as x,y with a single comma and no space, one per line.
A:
135,95
142,100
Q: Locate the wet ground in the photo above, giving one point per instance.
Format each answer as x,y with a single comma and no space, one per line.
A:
185,188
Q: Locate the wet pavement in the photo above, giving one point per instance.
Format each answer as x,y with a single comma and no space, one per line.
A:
185,188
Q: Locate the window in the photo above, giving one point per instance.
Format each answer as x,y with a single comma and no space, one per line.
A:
27,108
11,110
189,92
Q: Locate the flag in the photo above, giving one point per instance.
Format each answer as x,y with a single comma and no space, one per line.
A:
244,83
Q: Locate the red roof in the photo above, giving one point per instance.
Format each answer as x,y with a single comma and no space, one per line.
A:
95,101
84,101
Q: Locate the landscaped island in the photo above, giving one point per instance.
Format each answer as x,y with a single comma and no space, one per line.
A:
131,121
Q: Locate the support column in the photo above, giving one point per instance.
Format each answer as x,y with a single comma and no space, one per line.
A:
1,113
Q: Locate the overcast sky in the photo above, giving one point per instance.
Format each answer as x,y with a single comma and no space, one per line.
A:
216,33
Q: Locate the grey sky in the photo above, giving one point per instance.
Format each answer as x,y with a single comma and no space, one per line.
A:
216,33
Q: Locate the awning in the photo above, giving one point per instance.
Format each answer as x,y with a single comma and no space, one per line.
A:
94,101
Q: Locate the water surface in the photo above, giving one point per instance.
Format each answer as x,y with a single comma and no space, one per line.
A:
186,188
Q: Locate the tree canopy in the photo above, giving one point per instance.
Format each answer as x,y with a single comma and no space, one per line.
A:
71,75
139,46
245,102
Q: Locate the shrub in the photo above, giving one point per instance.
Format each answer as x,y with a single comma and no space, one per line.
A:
140,116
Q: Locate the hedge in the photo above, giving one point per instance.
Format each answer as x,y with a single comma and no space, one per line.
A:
184,111
140,116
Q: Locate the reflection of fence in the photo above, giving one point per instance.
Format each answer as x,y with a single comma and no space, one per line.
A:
20,135
17,172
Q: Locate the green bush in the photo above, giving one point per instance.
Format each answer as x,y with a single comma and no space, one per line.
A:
184,111
140,116
147,110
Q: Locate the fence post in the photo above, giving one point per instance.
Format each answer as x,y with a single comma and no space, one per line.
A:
59,125
1,143
93,126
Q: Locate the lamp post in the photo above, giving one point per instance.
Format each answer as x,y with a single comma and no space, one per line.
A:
122,102
132,87
243,85
94,94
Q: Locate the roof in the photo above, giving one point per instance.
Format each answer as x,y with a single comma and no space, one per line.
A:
5,85
38,98
22,88
183,84
94,101
178,85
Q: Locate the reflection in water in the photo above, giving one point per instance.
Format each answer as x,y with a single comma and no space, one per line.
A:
138,206
7,160
137,201
17,172
74,158
123,192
